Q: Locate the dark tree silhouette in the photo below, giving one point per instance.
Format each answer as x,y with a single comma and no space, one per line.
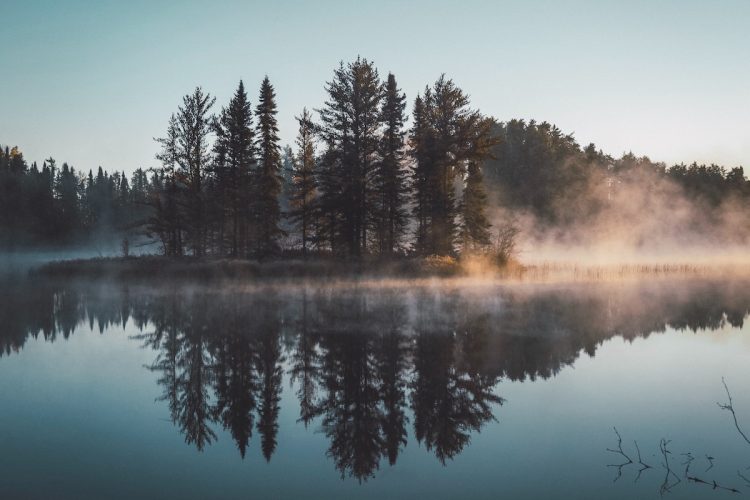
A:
166,221
390,181
303,189
446,136
268,366
236,379
185,156
393,367
218,190
267,182
475,231
235,154
305,368
350,122
193,124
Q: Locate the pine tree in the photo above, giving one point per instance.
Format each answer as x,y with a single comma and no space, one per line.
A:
350,125
335,192
390,176
66,190
303,190
475,230
421,174
182,205
446,137
235,153
166,221
287,171
267,179
193,129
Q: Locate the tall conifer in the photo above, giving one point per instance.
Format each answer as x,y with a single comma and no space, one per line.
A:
268,178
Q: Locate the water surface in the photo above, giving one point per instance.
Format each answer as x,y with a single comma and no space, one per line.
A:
435,391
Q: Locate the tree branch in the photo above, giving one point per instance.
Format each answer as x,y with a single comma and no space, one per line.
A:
730,408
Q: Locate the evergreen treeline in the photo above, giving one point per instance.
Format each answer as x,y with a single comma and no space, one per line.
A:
57,206
357,182
537,168
354,183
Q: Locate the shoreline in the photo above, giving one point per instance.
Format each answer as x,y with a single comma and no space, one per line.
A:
410,271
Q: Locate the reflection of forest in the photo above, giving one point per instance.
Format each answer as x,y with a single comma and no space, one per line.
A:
364,362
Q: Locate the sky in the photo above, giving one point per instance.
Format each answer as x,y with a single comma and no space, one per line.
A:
93,82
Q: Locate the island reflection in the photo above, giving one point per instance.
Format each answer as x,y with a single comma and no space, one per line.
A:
366,363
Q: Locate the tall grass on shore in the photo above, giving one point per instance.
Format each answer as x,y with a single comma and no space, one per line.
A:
555,271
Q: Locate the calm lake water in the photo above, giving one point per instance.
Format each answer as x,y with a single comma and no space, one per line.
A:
374,391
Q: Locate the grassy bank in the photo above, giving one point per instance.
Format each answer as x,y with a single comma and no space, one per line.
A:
156,269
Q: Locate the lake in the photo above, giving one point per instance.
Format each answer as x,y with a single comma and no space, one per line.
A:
375,390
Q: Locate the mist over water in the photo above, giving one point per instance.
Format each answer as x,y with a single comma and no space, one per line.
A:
388,278
341,389
579,204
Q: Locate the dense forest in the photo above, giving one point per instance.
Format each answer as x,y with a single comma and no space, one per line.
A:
359,181
56,206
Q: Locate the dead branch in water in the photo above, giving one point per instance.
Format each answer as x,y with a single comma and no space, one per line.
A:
687,462
621,452
713,484
643,464
729,406
671,479
666,486
710,462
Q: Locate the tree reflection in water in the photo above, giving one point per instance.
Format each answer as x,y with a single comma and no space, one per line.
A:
366,363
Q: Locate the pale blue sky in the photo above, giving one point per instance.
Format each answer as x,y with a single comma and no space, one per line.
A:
91,82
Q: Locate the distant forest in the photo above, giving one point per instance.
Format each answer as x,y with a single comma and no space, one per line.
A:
357,182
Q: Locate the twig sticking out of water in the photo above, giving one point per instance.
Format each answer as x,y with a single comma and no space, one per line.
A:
643,464
711,462
689,458
730,408
666,486
687,462
619,451
713,484
744,478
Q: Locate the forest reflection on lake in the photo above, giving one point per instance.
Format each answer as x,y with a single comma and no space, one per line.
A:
368,371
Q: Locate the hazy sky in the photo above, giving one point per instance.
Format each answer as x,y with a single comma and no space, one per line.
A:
91,82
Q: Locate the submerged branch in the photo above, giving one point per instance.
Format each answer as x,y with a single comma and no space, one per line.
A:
621,452
710,462
713,484
729,407
643,464
687,462
666,486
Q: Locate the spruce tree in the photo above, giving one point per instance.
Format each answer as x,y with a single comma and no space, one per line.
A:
287,171
390,177
350,130
367,94
476,227
67,198
235,153
332,178
421,174
186,159
195,122
268,178
448,138
303,191
166,221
